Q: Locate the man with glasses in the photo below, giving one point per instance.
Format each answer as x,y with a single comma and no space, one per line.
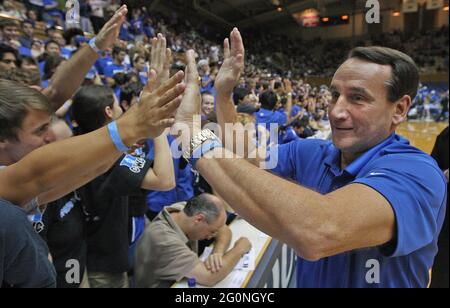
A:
168,250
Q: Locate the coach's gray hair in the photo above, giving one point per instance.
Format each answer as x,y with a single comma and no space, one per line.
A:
405,74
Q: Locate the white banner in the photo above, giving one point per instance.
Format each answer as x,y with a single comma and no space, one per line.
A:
434,4
410,6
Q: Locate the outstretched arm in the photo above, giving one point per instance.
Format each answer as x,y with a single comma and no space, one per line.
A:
162,176
68,78
237,141
46,168
315,225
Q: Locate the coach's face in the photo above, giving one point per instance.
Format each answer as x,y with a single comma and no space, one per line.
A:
360,113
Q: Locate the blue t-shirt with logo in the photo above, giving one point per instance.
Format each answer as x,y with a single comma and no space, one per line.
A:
411,182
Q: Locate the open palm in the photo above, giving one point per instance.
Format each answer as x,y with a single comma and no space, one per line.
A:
233,64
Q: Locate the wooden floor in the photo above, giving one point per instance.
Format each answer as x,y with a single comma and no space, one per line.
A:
422,134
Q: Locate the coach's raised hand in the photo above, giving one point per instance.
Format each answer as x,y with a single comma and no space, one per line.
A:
233,64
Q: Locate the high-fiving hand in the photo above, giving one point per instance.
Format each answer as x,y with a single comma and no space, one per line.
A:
108,35
233,64
161,58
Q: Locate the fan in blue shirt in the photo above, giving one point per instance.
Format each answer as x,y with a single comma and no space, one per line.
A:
157,200
118,55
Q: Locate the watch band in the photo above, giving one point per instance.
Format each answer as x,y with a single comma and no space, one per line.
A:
200,144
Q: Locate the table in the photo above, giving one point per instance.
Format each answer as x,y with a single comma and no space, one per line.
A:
274,266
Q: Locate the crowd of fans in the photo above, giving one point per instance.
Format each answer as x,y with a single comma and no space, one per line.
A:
270,57
271,90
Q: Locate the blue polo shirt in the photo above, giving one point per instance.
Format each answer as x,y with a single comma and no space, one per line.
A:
411,182
265,117
294,111
102,63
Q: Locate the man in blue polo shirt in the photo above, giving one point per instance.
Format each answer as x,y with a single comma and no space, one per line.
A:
267,114
367,208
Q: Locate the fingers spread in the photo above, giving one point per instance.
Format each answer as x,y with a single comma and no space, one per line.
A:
171,94
169,109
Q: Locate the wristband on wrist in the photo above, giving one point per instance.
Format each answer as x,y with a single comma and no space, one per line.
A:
93,45
115,137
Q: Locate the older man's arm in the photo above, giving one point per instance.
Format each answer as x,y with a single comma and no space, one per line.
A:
315,225
68,78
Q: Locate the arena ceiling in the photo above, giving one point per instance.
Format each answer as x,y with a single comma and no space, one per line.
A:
261,13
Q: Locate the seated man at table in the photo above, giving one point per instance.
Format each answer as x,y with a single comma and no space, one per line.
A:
167,251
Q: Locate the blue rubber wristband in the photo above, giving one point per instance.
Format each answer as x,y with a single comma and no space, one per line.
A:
115,137
93,46
202,150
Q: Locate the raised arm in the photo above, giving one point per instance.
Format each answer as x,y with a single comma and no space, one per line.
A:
238,141
315,225
162,176
288,92
228,77
69,77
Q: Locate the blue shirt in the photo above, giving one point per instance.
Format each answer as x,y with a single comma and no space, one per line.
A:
265,117
41,68
23,253
157,200
113,69
137,25
92,73
66,53
294,111
411,182
45,83
102,63
24,51
143,76
288,135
